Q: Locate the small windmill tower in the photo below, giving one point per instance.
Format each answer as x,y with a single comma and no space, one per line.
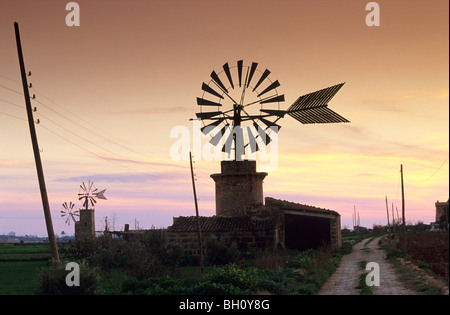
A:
85,227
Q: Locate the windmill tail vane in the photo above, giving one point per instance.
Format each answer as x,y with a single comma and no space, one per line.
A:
241,83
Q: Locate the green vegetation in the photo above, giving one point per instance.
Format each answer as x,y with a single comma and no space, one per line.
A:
154,266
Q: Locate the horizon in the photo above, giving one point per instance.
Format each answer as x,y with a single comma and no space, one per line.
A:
110,92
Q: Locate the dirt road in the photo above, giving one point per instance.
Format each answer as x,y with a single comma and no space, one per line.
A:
346,278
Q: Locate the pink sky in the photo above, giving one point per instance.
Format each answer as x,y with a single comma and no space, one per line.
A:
110,91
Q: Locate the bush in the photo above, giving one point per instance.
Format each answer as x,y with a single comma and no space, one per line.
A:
218,253
51,280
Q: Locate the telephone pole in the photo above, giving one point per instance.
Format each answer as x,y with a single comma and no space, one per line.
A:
403,208
198,219
37,156
387,212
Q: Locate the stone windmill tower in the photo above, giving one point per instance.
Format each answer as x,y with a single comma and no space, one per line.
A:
85,227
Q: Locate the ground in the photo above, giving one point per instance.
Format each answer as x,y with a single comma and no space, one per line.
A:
346,279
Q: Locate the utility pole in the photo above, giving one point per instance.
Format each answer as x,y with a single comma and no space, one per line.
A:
196,213
393,220
387,211
403,208
37,156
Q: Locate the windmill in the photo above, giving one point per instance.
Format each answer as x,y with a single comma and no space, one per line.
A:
68,213
90,193
243,97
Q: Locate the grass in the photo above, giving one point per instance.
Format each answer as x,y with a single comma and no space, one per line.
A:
19,265
16,277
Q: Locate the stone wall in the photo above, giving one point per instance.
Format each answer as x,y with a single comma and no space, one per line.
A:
245,240
239,188
85,227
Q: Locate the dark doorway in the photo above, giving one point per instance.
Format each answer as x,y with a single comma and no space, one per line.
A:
304,232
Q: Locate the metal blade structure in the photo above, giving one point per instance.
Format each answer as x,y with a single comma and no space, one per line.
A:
313,108
89,193
68,214
237,94
243,98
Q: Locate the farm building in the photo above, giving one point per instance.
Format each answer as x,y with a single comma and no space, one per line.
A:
243,217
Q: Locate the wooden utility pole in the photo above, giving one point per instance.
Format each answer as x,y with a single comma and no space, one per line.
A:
393,220
387,211
37,156
403,208
196,213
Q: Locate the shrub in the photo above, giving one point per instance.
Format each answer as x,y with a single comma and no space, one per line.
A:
51,280
218,253
243,279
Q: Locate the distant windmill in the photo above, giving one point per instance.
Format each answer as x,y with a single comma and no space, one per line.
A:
68,213
90,193
242,94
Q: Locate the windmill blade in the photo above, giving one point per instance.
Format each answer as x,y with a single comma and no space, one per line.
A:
228,143
316,99
239,66
268,123
216,79
210,90
262,134
263,77
207,129
252,141
252,71
273,112
203,102
274,85
215,140
226,68
73,218
320,115
207,115
276,99
237,132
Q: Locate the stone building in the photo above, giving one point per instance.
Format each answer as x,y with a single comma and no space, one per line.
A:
242,217
85,227
442,212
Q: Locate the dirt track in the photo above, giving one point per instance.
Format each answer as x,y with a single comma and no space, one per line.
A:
346,278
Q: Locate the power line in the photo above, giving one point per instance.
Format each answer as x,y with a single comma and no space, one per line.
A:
84,139
82,119
84,128
13,116
435,172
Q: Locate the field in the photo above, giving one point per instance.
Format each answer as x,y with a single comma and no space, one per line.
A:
430,249
19,264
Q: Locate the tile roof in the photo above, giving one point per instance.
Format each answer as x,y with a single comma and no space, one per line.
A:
217,223
288,205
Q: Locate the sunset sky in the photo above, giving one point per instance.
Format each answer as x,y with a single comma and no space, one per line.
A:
109,92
